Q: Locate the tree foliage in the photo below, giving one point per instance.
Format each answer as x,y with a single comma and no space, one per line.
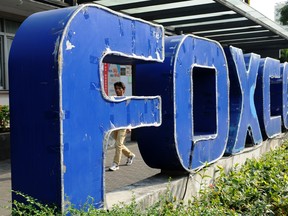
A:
283,19
284,14
284,55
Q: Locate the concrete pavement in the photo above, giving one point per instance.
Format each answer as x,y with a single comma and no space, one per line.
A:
5,187
126,175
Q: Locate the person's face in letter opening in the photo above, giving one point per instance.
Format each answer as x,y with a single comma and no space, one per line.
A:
119,91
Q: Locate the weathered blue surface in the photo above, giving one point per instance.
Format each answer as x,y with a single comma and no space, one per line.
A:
243,71
34,105
270,124
194,87
59,115
284,75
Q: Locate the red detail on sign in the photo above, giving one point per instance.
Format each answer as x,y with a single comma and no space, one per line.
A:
105,73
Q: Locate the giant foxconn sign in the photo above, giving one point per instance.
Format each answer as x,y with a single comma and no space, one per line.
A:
194,100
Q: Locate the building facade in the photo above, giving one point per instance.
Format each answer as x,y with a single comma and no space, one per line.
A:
12,14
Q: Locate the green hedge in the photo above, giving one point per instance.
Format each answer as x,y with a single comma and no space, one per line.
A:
260,187
4,118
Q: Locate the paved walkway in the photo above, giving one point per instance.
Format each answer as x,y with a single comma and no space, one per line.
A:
126,175
5,187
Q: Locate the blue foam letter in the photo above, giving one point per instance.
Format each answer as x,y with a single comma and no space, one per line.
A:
243,72
269,69
193,84
284,74
59,113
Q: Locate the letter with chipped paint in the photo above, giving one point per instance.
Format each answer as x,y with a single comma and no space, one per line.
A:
69,46
72,113
195,93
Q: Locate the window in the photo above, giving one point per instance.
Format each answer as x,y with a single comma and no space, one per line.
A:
8,29
1,64
11,26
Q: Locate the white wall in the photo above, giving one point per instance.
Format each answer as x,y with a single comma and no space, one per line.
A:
4,98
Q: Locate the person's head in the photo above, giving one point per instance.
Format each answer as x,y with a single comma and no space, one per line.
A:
119,88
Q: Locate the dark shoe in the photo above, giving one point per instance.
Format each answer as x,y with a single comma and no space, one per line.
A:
130,160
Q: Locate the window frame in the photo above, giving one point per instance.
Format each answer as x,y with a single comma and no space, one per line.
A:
4,53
